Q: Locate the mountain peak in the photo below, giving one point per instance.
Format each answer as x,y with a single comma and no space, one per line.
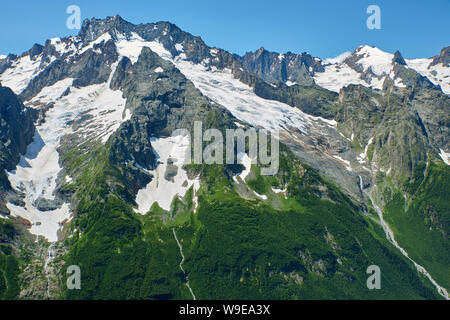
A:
443,58
398,58
260,51
93,28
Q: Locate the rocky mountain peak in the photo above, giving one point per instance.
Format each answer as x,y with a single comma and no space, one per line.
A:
260,51
398,58
35,51
443,58
92,29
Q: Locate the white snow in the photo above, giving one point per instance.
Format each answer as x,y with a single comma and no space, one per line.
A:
38,170
20,73
179,47
367,146
131,47
106,106
261,196
63,47
337,76
36,175
245,160
277,191
161,190
339,59
379,61
445,156
221,87
44,224
2,56
289,83
362,158
213,52
347,163
388,172
103,38
159,70
283,191
437,74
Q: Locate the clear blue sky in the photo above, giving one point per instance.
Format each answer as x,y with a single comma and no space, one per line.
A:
418,28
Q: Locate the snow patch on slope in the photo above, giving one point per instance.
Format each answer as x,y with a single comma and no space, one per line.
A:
245,160
63,47
179,47
362,158
437,74
37,172
261,196
240,99
379,61
339,59
346,162
221,87
337,76
103,38
20,73
160,189
103,107
131,47
445,157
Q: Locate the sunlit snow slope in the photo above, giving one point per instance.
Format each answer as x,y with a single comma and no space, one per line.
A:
37,173
370,67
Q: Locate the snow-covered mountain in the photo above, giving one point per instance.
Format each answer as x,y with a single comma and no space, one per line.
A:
105,103
371,67
58,78
71,79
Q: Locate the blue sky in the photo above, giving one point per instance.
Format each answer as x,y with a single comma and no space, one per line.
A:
418,28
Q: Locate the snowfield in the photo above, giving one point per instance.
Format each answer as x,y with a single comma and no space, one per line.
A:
38,170
240,99
338,74
437,74
21,72
221,87
131,47
160,189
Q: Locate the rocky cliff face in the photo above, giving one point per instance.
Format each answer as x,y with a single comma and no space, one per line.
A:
16,126
16,132
444,57
275,67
